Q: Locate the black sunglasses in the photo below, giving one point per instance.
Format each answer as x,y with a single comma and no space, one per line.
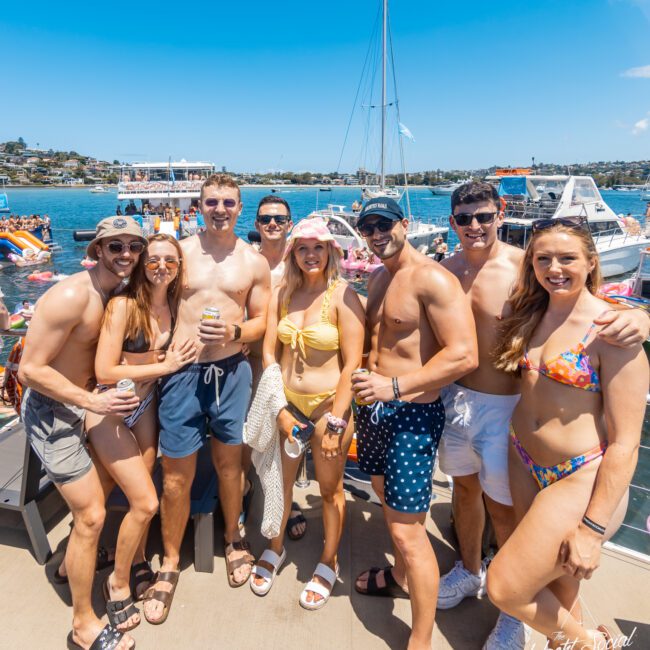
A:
465,218
116,247
577,223
227,203
383,225
280,219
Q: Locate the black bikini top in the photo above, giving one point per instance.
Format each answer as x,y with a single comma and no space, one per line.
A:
140,343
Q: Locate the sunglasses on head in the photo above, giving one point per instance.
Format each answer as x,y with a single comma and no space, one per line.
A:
577,223
227,203
280,219
465,218
116,247
170,263
383,225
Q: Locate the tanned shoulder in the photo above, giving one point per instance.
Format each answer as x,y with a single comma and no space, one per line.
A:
66,300
432,282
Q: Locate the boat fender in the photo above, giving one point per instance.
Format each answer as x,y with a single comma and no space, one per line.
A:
84,235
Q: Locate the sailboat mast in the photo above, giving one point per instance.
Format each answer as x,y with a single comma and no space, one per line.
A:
383,94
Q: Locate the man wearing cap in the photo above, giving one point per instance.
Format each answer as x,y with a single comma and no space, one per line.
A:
58,367
226,274
422,338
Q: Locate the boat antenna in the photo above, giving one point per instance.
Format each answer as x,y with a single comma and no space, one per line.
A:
383,92
399,120
359,87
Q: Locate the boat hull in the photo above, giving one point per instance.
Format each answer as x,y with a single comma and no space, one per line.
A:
622,259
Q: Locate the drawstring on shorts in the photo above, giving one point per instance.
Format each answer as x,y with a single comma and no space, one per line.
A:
213,370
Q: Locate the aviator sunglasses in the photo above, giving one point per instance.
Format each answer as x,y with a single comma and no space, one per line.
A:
116,247
577,223
227,203
383,225
465,218
170,264
280,219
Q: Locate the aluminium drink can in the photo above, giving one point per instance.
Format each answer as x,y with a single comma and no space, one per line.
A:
124,385
211,313
358,400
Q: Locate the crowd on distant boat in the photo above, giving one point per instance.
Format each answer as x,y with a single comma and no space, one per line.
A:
506,363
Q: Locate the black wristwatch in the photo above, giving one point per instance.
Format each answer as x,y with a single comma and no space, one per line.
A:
237,335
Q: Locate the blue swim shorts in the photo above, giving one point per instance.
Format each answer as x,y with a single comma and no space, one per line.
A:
214,395
399,440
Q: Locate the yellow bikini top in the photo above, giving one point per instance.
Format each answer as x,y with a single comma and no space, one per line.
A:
319,336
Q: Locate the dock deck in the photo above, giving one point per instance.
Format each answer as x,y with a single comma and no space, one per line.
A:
207,613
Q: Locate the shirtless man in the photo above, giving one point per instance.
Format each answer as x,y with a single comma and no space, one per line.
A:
422,338
474,448
58,367
274,223
213,394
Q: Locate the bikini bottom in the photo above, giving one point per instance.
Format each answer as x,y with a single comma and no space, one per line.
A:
307,403
545,476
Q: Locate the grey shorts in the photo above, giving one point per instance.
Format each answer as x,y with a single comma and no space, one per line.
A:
56,433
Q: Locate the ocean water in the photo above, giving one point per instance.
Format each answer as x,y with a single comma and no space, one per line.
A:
78,209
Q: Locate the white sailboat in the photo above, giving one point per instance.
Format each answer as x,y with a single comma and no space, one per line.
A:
342,222
645,190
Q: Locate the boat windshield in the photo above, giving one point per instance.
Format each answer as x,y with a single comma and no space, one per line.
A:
584,191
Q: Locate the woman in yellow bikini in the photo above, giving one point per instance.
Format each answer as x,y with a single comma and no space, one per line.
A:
315,332
574,434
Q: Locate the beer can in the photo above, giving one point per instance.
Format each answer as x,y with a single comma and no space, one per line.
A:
124,385
211,313
358,400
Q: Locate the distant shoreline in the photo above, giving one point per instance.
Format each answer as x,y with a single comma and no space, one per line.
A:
246,185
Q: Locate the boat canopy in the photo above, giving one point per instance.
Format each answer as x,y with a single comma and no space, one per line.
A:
513,186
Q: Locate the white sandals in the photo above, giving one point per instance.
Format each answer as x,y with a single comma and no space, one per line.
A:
324,572
276,561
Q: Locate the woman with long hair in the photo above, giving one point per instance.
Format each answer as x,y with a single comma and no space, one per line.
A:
315,332
574,434
134,343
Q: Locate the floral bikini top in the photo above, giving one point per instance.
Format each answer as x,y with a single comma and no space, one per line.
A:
572,367
323,335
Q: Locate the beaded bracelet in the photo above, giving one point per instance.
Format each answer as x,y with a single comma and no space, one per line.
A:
335,423
597,528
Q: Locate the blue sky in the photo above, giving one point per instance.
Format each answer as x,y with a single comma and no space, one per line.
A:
270,85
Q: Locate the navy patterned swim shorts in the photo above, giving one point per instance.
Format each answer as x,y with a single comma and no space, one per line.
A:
399,440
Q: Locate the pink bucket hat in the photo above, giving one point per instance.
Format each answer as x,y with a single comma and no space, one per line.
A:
311,228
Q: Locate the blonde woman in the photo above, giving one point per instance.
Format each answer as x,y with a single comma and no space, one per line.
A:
315,332
574,434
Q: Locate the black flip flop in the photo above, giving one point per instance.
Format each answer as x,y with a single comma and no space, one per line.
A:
119,611
390,590
107,639
101,563
298,519
141,573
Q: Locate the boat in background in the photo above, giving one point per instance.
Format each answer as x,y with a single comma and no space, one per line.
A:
164,188
645,190
617,242
446,189
343,222
99,189
375,191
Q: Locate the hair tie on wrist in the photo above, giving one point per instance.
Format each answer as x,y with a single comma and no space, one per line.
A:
592,525
396,393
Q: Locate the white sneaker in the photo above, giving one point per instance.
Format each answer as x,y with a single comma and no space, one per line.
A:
508,634
458,584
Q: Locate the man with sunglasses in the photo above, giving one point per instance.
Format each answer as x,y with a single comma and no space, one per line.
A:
422,338
223,272
474,448
58,366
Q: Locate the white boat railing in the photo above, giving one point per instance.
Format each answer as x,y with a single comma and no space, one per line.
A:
142,187
607,238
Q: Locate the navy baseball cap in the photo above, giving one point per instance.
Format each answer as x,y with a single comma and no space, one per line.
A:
382,206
